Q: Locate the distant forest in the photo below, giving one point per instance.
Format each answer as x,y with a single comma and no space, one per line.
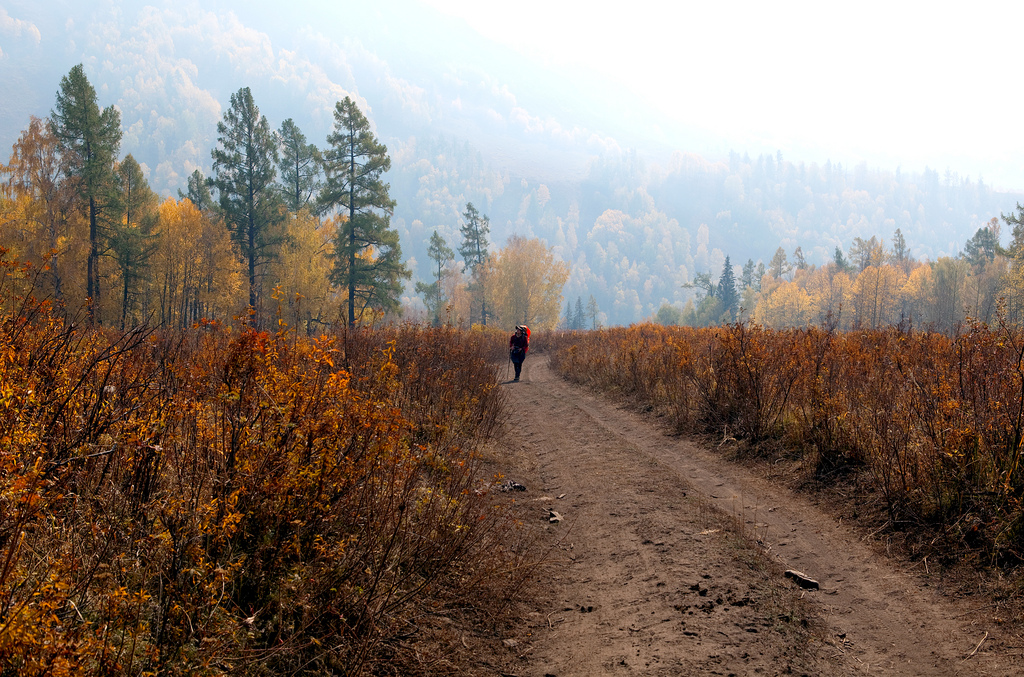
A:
637,235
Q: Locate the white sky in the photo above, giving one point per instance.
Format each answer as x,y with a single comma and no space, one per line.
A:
893,83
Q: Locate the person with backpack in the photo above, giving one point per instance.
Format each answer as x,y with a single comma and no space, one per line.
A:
518,345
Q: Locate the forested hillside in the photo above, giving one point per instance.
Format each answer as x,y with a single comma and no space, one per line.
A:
467,122
637,233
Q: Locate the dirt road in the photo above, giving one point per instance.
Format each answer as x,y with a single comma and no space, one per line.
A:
669,561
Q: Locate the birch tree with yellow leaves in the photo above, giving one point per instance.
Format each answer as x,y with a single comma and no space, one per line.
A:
303,297
526,284
876,296
197,271
786,305
38,220
829,291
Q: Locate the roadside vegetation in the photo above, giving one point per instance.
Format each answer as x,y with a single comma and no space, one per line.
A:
929,427
219,500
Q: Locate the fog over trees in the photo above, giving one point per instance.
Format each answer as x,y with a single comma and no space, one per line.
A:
465,122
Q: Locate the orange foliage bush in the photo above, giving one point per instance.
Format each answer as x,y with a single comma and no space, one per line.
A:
217,501
938,422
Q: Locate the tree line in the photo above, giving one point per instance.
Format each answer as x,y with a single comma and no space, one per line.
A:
873,285
519,284
282,231
635,234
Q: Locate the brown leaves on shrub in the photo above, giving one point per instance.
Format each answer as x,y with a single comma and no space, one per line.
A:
939,422
218,501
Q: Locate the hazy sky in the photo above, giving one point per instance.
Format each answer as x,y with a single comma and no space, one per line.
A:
893,83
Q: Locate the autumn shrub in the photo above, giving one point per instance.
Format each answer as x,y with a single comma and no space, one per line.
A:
937,423
755,377
972,409
819,419
219,500
673,370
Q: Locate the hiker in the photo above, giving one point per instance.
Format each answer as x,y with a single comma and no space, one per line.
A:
518,345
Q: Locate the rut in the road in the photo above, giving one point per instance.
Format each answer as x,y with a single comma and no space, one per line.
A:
651,582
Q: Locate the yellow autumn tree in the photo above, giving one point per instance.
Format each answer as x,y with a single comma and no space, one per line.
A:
984,286
303,297
916,295
197,270
788,305
876,301
829,292
526,284
460,298
1012,291
38,221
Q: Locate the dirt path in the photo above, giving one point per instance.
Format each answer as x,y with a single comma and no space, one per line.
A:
649,575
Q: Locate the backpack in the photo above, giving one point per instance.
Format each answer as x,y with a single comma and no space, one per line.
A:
518,353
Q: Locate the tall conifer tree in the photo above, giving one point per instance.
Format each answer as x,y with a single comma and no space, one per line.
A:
747,277
299,165
368,257
474,251
727,295
134,240
198,192
89,140
244,167
441,254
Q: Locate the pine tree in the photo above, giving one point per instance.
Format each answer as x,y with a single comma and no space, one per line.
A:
842,264
473,250
798,259
89,140
441,254
300,167
244,176
747,277
1016,223
134,240
726,291
198,192
981,248
703,281
779,265
580,318
592,311
368,258
900,251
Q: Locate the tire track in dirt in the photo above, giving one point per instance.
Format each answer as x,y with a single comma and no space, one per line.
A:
647,580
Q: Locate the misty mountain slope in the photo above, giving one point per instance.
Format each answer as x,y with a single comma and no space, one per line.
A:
541,153
635,234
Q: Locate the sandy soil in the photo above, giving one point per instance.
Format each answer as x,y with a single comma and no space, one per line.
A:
669,561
